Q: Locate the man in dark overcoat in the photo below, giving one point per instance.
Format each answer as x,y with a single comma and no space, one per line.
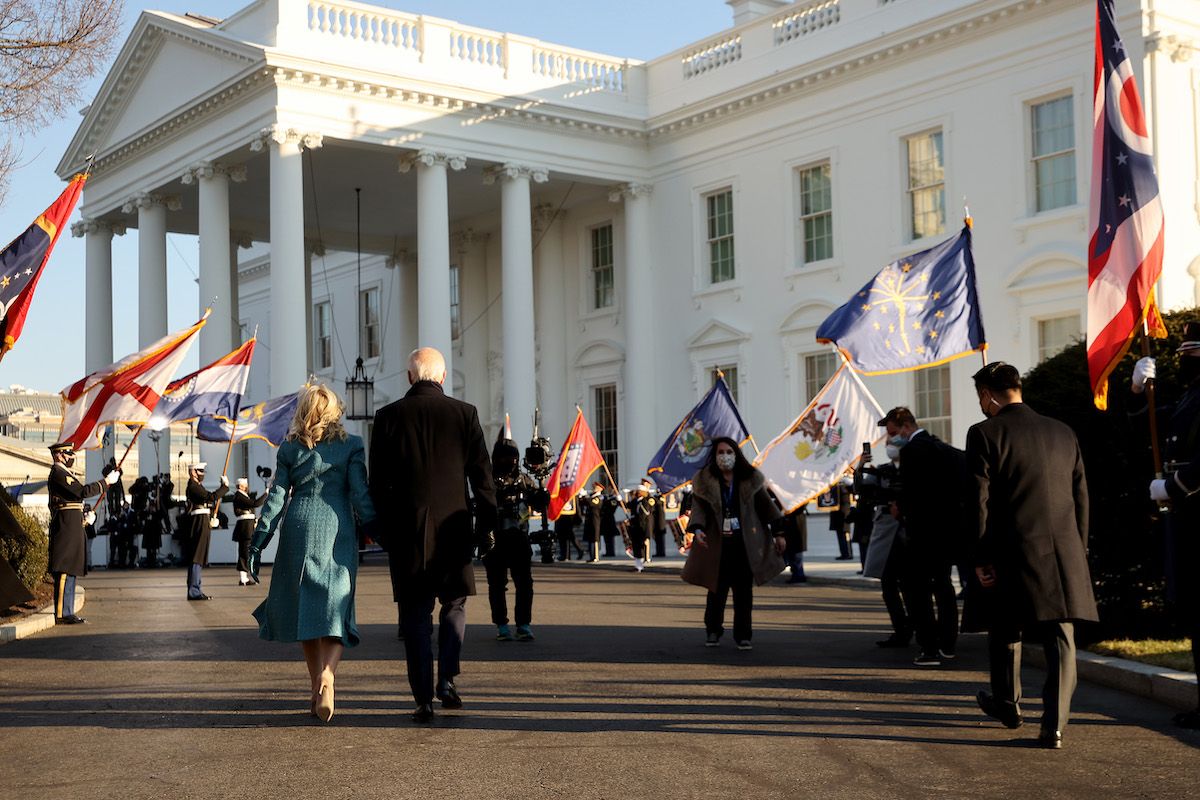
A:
201,504
1030,509
427,452
68,540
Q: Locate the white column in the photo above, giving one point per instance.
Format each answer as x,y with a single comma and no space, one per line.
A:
433,241
98,307
551,324
288,327
637,431
404,262
516,282
312,248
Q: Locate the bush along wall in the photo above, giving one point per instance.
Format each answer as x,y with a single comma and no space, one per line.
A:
23,541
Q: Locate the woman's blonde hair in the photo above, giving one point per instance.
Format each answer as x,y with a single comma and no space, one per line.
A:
318,416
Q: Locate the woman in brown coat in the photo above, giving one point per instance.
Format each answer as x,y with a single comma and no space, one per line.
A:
733,519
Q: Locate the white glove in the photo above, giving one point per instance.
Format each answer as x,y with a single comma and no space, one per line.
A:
225,481
112,477
1144,370
89,518
1158,489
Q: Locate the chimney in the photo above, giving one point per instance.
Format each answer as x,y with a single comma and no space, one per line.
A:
749,10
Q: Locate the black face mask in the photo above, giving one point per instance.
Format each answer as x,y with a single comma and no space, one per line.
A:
1189,369
68,461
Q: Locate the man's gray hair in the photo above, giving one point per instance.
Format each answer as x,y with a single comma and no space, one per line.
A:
427,364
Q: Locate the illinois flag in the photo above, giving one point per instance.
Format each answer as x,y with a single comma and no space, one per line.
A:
125,392
212,391
22,262
1126,249
917,312
815,451
686,449
579,459
267,421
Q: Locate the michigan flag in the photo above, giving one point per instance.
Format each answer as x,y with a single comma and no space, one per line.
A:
268,421
686,449
918,312
815,451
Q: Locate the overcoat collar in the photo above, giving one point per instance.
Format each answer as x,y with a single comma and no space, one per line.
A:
425,389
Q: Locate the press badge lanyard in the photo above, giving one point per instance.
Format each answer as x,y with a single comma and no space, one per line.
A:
730,523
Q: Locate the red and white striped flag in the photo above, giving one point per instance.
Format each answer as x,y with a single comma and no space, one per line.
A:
125,392
1126,250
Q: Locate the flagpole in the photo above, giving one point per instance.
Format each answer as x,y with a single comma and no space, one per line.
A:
1151,408
132,442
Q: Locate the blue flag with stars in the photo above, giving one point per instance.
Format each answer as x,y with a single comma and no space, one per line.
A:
686,449
918,312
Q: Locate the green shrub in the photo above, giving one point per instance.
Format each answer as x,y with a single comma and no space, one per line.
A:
1125,542
25,545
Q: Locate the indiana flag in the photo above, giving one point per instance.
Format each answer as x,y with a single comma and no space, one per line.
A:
212,391
267,421
22,262
686,449
1126,250
125,392
814,452
580,458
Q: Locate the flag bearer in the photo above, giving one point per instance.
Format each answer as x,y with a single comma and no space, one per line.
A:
200,505
67,538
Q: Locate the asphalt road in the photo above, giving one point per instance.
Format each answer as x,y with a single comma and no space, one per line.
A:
617,698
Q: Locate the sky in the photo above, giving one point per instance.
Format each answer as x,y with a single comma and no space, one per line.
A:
49,355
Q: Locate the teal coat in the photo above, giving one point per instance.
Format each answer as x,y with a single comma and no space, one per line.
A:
312,581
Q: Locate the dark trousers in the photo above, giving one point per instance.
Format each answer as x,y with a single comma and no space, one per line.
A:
660,544
928,581
416,623
193,581
637,541
511,555
734,574
608,544
64,595
1004,655
243,555
843,541
890,583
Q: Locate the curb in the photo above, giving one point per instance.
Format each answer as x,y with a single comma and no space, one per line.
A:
38,621
1170,687
675,568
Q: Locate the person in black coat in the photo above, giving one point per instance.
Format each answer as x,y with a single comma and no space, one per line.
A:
427,452
600,522
201,504
68,539
1030,553
244,504
513,553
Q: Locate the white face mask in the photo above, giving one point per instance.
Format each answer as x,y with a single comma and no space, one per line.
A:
893,452
726,461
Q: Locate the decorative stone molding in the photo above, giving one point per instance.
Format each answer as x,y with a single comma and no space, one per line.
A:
146,200
85,226
509,171
314,247
545,215
430,158
1179,50
243,239
464,240
401,258
626,190
283,135
207,169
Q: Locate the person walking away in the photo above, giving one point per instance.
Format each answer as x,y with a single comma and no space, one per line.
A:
737,539
1030,508
321,478
427,453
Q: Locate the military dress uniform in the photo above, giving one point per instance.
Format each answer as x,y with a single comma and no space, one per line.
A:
200,505
68,540
243,531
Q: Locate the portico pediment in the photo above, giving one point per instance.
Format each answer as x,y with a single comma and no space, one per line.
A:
717,333
167,63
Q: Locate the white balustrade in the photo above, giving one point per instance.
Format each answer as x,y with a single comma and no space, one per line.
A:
373,27
478,48
574,67
712,55
809,19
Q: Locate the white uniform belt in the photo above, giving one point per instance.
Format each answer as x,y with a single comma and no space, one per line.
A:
195,512
247,515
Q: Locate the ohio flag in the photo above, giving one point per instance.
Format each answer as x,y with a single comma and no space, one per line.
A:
1126,250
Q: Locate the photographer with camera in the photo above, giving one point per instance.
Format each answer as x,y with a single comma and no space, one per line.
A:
516,493
878,487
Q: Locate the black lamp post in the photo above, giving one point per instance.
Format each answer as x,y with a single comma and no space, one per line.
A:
360,390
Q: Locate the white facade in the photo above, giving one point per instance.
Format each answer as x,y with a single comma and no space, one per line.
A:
507,158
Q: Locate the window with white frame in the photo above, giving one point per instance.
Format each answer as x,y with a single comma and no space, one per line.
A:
719,217
1057,334
816,212
926,184
604,423
368,306
818,369
932,401
602,267
1053,127
730,371
455,304
322,335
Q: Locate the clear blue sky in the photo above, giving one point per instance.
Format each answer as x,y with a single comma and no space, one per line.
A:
49,354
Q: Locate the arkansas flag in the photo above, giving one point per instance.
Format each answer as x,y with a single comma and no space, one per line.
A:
125,392
212,391
579,459
1126,250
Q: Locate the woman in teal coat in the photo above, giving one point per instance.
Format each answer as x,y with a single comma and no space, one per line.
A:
320,485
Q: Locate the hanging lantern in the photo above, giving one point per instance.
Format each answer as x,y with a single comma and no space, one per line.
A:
360,394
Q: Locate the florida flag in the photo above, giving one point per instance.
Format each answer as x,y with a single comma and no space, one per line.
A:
212,391
1126,249
125,392
580,458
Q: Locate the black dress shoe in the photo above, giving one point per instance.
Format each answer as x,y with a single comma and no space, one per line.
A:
200,597
71,620
1007,713
449,695
423,713
1050,740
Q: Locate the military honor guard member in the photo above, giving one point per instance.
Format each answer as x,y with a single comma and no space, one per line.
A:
200,506
68,541
244,504
600,522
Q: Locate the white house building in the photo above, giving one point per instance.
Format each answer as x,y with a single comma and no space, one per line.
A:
577,228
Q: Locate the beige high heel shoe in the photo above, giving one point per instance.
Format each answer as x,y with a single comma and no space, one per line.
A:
325,701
